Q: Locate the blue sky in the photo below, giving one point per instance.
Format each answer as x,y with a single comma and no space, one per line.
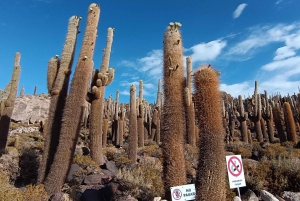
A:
244,40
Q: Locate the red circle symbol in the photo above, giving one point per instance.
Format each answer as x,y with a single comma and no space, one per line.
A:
177,194
235,167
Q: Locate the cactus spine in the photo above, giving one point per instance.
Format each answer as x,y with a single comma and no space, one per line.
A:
190,116
133,138
8,102
58,83
289,123
100,81
210,183
173,114
74,103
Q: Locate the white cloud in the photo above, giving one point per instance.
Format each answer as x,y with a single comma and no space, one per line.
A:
127,63
207,51
125,92
238,11
284,52
287,64
125,74
152,63
277,76
260,36
278,2
237,89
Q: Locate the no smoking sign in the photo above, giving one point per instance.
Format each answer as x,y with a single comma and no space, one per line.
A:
235,171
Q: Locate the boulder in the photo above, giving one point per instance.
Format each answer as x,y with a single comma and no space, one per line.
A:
31,108
290,196
249,196
266,196
73,174
236,198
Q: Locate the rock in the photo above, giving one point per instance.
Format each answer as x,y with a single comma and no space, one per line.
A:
291,196
236,198
249,196
111,166
75,168
96,179
108,173
266,196
279,198
90,195
93,179
81,188
31,108
23,129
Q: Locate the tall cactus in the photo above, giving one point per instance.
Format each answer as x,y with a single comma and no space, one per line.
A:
133,138
73,108
141,108
289,123
100,81
115,118
121,125
9,102
173,115
257,115
242,117
210,183
58,78
190,116
278,124
268,116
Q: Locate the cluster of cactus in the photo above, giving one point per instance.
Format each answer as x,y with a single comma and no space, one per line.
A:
73,106
58,76
264,113
178,117
7,101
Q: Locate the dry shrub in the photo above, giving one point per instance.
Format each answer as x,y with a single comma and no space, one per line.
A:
275,151
122,161
274,176
153,150
84,161
244,152
32,193
143,181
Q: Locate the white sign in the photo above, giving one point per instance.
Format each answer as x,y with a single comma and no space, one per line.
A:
185,192
235,171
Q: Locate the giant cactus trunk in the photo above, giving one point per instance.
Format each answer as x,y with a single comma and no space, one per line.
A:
173,114
74,104
58,83
100,81
289,123
190,116
9,102
210,184
133,137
